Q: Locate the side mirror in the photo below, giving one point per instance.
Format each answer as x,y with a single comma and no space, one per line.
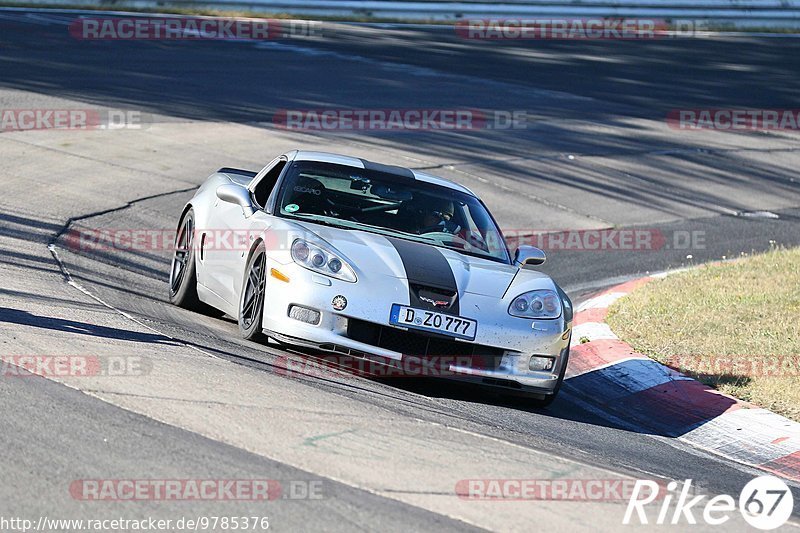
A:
236,194
529,255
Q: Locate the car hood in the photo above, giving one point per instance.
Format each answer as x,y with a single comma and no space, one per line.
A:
372,254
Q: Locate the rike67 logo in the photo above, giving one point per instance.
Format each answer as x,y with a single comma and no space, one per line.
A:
765,503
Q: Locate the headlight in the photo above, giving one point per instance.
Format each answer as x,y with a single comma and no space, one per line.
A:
536,304
319,259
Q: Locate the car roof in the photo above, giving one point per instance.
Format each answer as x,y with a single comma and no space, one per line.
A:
339,159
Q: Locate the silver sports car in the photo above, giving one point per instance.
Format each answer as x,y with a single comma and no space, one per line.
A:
374,262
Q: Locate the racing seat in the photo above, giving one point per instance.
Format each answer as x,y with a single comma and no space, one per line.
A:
407,217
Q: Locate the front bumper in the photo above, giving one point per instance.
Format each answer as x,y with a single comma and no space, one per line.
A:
508,341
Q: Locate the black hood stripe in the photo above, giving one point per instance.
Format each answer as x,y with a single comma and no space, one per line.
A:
429,274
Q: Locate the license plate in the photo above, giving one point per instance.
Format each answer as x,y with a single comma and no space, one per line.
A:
454,326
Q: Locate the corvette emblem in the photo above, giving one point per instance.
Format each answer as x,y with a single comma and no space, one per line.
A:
339,302
435,303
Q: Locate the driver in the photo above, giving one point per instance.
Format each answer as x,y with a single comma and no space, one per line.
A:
435,214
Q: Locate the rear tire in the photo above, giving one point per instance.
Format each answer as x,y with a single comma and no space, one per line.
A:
183,272
251,301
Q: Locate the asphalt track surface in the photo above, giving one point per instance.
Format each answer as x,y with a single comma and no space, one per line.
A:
596,153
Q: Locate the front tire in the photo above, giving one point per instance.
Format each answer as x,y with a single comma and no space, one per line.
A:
251,301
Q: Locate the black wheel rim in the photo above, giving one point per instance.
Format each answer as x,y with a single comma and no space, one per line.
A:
253,297
180,260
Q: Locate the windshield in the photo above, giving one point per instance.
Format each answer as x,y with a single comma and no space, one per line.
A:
368,200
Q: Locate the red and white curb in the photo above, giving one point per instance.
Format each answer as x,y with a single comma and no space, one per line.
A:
665,401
